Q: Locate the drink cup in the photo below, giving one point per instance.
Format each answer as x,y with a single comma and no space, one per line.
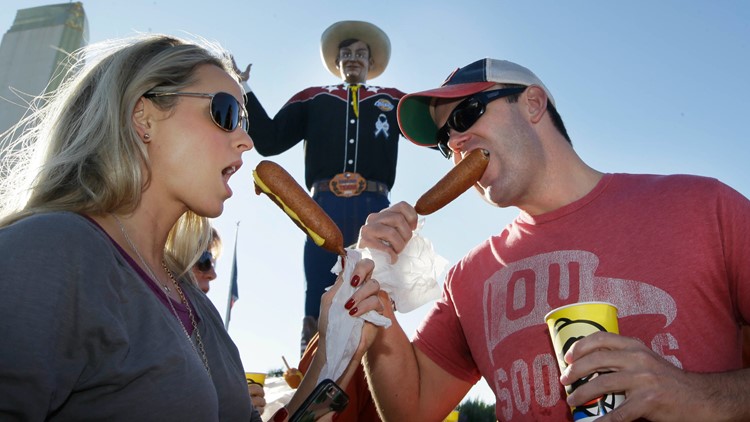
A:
255,378
571,323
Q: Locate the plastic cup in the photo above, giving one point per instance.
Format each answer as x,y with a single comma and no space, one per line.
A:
571,323
255,378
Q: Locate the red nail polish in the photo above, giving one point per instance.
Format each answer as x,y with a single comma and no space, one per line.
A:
353,311
349,304
334,417
280,415
355,281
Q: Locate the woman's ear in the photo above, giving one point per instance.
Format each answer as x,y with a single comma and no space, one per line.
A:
141,119
536,102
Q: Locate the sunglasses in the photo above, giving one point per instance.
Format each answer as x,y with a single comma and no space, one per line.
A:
467,112
205,262
226,112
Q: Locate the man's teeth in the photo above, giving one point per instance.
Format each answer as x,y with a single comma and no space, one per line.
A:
229,170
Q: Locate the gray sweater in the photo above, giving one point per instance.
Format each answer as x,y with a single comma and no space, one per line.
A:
82,337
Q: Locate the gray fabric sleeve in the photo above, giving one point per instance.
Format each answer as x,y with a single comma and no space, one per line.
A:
44,333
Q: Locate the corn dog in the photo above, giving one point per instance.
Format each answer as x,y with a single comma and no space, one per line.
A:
460,178
271,179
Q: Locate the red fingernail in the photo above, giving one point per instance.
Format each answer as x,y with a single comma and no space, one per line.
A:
280,415
349,304
355,281
353,311
334,417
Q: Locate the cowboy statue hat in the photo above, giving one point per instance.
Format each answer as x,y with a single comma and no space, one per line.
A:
380,45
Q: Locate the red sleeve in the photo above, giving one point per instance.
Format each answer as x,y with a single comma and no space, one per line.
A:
441,337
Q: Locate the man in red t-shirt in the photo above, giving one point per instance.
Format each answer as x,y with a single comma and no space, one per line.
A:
671,252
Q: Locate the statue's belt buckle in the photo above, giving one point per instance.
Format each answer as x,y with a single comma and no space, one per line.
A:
347,184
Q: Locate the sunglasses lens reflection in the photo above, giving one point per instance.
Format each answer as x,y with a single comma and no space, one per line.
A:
465,115
225,111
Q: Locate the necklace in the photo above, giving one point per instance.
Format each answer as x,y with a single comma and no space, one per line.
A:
200,350
143,261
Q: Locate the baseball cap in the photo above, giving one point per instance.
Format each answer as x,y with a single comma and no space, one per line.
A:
415,117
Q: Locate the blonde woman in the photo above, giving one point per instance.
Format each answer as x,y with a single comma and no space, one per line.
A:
99,229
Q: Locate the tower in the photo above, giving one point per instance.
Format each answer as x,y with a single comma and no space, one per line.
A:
31,53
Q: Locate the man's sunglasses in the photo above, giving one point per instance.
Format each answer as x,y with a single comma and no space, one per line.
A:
467,112
205,262
226,112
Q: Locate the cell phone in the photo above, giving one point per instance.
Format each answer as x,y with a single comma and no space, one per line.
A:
327,397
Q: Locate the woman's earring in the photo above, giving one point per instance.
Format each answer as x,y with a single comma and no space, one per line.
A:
146,136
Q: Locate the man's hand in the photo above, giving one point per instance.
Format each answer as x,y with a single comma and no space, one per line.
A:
389,230
654,388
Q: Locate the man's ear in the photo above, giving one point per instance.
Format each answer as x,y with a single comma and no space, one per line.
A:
142,119
536,102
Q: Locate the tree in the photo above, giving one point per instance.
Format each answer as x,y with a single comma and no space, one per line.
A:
474,410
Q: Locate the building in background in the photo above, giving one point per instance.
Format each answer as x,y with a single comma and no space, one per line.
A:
31,53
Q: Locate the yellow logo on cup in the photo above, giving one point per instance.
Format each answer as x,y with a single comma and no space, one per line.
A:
567,325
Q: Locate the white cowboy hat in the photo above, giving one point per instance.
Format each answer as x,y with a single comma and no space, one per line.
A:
380,45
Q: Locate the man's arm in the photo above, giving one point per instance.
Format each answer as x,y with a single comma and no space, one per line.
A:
406,384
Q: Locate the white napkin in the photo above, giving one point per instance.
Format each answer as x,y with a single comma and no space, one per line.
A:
411,282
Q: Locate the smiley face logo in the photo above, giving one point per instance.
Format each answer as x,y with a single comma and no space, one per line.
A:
566,333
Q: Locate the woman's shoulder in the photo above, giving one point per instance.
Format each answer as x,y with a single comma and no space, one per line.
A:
63,228
54,250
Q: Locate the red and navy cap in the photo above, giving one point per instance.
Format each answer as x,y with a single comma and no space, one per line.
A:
414,110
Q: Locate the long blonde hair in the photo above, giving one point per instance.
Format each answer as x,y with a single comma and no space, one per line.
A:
78,150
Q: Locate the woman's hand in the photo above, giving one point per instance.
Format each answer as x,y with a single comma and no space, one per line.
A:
360,277
367,297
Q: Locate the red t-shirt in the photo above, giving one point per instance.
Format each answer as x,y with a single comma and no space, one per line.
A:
671,252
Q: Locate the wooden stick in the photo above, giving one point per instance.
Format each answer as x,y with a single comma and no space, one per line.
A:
285,363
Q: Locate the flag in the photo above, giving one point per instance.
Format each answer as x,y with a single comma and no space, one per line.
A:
233,291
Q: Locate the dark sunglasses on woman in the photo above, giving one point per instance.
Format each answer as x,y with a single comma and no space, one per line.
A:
467,112
205,262
226,112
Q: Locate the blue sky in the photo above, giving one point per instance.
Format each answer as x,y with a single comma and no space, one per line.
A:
643,87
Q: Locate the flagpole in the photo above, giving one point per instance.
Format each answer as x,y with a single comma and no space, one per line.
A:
233,290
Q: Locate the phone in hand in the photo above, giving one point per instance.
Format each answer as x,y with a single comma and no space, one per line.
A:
327,397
